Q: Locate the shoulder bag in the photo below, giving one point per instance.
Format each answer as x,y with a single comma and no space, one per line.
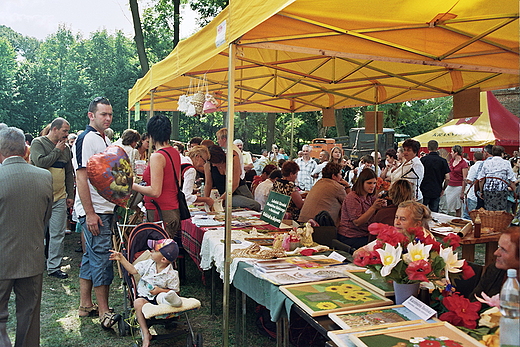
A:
183,205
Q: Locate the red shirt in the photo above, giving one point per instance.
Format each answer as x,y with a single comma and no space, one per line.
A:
456,173
353,207
168,198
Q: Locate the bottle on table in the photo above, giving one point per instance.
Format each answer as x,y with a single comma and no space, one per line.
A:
510,310
477,227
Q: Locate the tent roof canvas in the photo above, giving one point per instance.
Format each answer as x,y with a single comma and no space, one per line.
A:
303,55
495,126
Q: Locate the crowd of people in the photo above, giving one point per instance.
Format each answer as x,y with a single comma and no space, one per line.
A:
351,193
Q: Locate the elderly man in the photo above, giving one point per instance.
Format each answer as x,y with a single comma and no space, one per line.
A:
25,207
307,166
52,153
246,156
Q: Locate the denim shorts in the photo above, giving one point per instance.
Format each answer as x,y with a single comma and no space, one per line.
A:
95,265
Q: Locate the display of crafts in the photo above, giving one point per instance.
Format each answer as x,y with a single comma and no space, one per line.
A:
412,257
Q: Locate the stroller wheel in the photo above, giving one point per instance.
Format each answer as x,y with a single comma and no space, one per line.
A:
123,327
198,340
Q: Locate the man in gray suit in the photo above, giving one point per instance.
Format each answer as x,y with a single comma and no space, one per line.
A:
25,208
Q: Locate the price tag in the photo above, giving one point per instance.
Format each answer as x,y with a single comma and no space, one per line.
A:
337,256
418,307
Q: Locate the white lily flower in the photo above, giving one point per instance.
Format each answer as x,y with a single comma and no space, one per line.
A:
450,259
417,251
390,256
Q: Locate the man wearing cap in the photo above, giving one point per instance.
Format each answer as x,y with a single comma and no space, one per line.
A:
52,153
25,208
159,282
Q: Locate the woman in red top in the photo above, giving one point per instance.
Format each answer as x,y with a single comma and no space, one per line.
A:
161,186
457,182
358,207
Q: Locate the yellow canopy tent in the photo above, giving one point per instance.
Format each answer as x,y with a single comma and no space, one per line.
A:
494,125
303,55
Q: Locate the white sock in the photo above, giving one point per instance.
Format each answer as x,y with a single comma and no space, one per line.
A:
171,298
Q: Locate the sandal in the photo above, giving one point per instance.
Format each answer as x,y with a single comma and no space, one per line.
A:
109,319
85,311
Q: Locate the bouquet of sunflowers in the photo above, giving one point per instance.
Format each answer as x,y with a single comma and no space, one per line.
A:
412,257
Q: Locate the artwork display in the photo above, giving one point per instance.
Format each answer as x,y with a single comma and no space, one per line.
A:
379,285
441,334
321,298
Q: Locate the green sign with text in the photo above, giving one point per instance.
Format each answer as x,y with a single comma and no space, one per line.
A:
275,208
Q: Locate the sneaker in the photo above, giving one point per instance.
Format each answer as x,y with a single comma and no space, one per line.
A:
173,299
59,274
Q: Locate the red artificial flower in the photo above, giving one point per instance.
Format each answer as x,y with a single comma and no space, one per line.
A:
467,271
430,240
362,257
377,228
452,240
393,237
374,258
418,270
416,232
378,244
462,311
430,343
451,343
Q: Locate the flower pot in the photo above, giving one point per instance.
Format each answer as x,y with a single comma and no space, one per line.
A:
404,290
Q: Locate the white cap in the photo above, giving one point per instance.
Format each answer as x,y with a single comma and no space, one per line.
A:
511,272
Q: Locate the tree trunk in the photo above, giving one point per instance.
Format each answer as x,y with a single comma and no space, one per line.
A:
271,120
139,40
340,124
176,22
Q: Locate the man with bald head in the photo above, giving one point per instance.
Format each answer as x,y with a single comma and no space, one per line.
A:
52,153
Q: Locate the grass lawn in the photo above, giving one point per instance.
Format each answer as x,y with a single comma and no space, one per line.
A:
61,326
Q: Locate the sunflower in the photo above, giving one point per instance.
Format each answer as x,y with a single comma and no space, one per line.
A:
326,305
352,296
362,293
346,286
333,289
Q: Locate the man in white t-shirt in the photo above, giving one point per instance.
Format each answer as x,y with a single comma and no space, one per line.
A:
263,189
95,215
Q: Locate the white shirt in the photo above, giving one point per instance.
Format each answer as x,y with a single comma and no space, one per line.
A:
472,176
412,171
262,192
496,167
318,169
189,178
168,278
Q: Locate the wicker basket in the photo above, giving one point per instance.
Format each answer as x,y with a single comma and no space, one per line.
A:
496,220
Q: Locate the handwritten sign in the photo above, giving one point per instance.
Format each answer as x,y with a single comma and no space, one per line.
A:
275,208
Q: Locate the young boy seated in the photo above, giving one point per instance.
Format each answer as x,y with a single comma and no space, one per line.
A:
159,282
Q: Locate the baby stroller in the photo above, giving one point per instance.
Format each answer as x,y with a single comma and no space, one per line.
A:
136,250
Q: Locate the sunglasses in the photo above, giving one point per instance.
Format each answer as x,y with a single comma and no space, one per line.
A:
99,98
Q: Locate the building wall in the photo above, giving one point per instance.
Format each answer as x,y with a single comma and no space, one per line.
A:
510,98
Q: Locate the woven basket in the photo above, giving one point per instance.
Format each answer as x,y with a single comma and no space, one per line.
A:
496,220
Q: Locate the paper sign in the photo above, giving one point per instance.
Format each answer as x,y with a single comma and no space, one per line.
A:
220,38
337,256
418,307
275,208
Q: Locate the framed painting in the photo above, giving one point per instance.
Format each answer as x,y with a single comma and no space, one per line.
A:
379,285
324,297
374,316
341,337
441,334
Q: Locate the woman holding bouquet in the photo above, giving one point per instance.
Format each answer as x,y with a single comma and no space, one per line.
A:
357,209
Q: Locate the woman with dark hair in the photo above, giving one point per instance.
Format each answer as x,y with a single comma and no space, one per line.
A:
454,192
357,209
412,168
286,186
215,177
162,176
400,191
142,146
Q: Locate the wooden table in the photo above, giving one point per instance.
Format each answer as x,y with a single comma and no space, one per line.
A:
468,246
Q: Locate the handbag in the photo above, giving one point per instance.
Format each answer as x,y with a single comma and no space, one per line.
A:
184,211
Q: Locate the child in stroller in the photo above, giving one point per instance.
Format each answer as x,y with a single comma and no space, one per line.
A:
159,282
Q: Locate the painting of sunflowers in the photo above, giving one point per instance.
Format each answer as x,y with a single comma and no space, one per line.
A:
324,297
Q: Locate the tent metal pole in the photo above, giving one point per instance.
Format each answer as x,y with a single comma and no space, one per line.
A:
229,187
292,134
